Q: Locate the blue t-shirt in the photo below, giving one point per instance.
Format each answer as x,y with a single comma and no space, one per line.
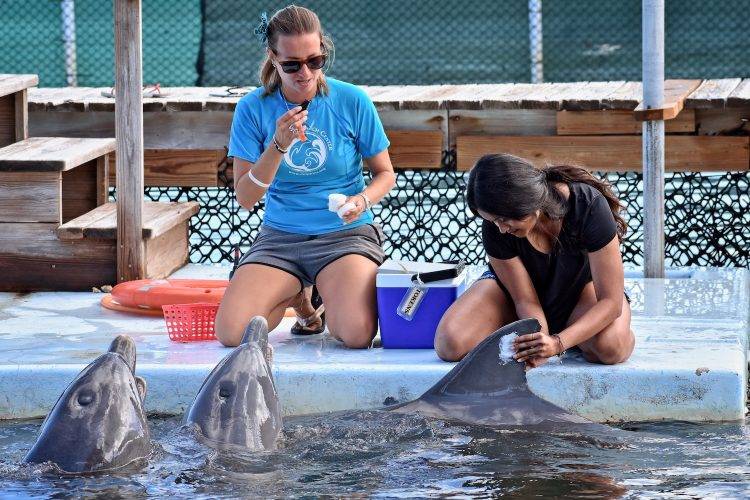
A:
342,128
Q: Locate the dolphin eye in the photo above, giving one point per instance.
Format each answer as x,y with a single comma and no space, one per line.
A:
85,398
226,389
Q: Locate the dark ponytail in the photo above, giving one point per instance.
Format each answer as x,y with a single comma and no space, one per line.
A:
509,186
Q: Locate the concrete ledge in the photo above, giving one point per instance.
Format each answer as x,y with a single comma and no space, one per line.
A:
690,361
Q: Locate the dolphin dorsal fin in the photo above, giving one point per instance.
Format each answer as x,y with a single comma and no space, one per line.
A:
125,347
478,372
257,331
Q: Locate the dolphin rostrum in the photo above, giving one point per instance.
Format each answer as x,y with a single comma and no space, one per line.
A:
486,389
98,423
237,406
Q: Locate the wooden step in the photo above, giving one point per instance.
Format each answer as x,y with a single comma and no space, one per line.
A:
10,84
52,154
101,223
14,107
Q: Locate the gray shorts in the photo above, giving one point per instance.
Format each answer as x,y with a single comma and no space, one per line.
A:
305,255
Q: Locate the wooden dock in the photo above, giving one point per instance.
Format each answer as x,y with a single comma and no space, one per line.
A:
590,123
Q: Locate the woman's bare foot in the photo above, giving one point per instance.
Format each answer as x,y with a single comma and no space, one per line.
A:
309,318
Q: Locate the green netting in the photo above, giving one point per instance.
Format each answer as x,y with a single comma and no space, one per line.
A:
211,42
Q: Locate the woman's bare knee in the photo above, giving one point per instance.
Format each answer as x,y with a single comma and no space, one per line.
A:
450,341
228,329
355,333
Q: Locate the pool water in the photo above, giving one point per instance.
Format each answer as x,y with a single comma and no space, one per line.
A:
382,454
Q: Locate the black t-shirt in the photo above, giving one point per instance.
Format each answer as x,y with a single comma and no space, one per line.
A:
559,277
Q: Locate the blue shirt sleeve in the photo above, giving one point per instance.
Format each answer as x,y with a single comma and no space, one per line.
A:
371,138
246,137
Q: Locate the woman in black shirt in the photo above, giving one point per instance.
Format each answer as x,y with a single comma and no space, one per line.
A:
553,240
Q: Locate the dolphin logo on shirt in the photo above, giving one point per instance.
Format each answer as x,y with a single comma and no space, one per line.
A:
308,157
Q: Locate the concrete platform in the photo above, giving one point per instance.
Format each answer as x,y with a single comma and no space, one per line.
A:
690,361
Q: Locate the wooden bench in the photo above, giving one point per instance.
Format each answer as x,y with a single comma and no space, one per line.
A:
14,114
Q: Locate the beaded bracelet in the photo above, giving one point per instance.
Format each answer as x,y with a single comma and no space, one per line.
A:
278,147
559,343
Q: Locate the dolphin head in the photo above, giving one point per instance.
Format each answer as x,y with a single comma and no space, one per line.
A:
98,423
237,406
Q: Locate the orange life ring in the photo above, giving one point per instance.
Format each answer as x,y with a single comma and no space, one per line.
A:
147,296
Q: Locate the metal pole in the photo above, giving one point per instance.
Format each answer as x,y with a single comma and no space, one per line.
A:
68,13
129,138
535,41
653,139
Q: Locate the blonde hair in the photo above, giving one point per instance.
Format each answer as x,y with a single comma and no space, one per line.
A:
292,20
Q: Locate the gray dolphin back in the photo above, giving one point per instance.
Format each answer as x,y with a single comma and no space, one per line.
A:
237,406
98,423
485,389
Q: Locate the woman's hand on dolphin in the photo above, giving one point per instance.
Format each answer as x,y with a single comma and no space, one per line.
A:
289,125
354,213
535,348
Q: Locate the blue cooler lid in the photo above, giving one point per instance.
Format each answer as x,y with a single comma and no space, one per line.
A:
398,274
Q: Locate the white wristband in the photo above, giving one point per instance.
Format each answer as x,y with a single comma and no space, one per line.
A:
256,181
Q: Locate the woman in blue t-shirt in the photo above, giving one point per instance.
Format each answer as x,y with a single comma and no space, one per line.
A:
297,139
553,240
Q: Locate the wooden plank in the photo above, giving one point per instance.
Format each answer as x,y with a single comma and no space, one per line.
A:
590,96
73,229
168,217
185,130
675,93
167,252
416,149
179,167
30,197
611,153
628,96
740,96
426,120
21,115
550,95
101,222
33,258
502,122
46,154
430,98
10,84
102,179
615,122
79,190
712,93
131,263
7,120
727,121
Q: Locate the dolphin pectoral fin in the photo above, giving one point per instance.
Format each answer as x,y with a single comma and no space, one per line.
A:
140,383
481,371
125,347
257,331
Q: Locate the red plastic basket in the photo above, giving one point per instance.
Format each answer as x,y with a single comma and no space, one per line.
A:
188,322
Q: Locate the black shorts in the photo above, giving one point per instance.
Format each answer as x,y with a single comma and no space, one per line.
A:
556,322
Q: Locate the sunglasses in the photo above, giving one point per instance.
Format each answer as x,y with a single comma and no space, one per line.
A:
313,63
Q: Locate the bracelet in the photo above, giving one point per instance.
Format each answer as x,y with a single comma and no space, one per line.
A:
559,343
256,181
278,147
368,203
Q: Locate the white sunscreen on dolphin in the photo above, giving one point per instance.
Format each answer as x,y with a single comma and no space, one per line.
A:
507,351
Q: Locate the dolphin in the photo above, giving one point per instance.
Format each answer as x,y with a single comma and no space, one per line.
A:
237,406
485,389
98,423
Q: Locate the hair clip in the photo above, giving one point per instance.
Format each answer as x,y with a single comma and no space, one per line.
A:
261,32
